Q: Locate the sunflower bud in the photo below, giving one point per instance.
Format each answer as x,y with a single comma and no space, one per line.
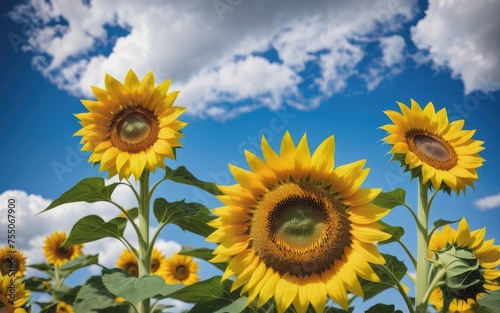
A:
464,274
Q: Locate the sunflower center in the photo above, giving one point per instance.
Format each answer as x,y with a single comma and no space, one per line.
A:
5,306
134,129
300,229
181,272
64,252
432,149
8,265
154,266
133,270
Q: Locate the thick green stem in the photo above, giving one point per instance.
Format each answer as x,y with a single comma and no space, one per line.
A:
422,248
144,255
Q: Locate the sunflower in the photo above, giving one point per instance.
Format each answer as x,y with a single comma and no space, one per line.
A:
63,307
128,262
473,243
12,262
298,229
12,301
131,126
180,269
56,254
427,144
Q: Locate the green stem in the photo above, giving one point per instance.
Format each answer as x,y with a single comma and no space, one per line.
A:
436,282
408,252
57,283
143,236
422,248
400,288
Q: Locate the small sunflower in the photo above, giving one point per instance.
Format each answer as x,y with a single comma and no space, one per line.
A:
428,145
131,126
128,262
297,229
63,307
12,261
20,294
466,243
56,254
180,269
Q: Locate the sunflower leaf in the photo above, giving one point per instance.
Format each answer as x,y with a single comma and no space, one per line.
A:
396,267
440,223
202,253
89,190
77,263
133,289
48,308
489,302
92,227
93,295
390,199
383,308
183,176
396,231
190,216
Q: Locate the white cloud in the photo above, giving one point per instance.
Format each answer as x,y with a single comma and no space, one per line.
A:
463,37
214,53
488,203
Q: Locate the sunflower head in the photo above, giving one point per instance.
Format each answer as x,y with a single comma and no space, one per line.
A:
128,262
443,154
57,254
470,266
12,262
131,126
63,307
298,229
9,291
180,269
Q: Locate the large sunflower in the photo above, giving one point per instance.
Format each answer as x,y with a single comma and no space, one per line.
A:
63,307
127,261
56,254
485,252
131,126
425,142
20,294
12,261
180,269
297,229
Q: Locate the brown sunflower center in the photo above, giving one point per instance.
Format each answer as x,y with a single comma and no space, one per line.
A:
8,265
299,228
5,306
432,149
64,252
134,129
181,272
155,264
132,269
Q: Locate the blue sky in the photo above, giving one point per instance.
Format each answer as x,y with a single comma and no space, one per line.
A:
245,69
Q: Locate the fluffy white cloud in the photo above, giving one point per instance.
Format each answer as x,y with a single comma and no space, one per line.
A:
488,203
214,50
463,37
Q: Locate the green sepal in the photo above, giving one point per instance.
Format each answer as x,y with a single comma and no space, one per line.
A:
183,176
88,190
190,216
93,227
133,289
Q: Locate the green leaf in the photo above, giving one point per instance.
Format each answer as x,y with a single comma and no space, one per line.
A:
383,308
93,227
190,216
52,308
202,253
93,296
78,263
396,231
395,266
88,190
440,223
489,302
44,267
235,307
133,289
390,199
183,176
35,284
